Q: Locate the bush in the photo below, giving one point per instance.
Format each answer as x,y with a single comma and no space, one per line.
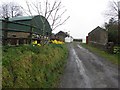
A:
116,50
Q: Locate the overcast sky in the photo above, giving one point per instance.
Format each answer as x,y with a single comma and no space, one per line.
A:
85,15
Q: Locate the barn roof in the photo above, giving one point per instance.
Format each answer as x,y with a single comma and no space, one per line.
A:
21,18
62,33
98,28
24,23
1,18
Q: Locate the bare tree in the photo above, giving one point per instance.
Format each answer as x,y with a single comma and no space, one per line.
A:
11,9
112,12
52,12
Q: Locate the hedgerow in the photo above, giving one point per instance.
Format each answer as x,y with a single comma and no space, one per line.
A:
30,66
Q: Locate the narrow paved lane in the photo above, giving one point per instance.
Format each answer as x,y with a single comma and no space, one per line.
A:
86,70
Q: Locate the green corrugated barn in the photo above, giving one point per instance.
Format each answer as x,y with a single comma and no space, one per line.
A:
18,30
0,31
34,21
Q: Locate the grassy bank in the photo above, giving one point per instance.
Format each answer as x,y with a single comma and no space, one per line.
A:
33,67
112,57
0,55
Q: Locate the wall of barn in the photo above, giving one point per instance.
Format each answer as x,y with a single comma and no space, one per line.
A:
16,38
0,32
98,37
18,35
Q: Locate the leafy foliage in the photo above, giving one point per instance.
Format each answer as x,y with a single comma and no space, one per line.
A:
116,50
112,28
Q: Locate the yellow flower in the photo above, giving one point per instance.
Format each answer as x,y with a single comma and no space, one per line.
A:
34,42
57,42
39,44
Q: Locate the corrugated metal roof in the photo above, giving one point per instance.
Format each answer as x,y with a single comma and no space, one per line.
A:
2,19
21,18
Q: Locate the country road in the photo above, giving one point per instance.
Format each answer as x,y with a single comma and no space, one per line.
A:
87,70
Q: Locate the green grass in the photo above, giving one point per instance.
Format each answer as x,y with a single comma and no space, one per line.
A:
112,57
0,67
33,67
0,54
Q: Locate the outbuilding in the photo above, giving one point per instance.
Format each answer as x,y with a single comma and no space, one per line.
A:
24,29
98,37
61,36
69,39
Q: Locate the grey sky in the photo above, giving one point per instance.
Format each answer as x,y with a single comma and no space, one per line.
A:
85,15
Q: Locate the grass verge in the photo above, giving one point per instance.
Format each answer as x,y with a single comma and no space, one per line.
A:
33,67
112,57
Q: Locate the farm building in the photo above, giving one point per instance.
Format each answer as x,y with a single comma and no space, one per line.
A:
69,39
61,36
24,29
98,37
0,31
78,40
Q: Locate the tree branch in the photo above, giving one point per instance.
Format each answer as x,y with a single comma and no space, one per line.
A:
61,23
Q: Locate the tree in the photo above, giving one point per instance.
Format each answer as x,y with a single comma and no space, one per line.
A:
114,12
9,10
112,28
52,12
113,9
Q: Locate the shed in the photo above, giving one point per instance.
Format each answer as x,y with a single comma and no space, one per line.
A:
34,24
19,30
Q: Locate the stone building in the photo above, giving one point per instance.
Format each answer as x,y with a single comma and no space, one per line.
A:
98,37
61,36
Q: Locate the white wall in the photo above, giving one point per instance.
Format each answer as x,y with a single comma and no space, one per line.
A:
69,39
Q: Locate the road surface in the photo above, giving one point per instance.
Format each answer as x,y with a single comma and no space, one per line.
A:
87,70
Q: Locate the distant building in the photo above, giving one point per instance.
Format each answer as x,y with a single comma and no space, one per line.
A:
98,35
78,40
69,39
61,36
